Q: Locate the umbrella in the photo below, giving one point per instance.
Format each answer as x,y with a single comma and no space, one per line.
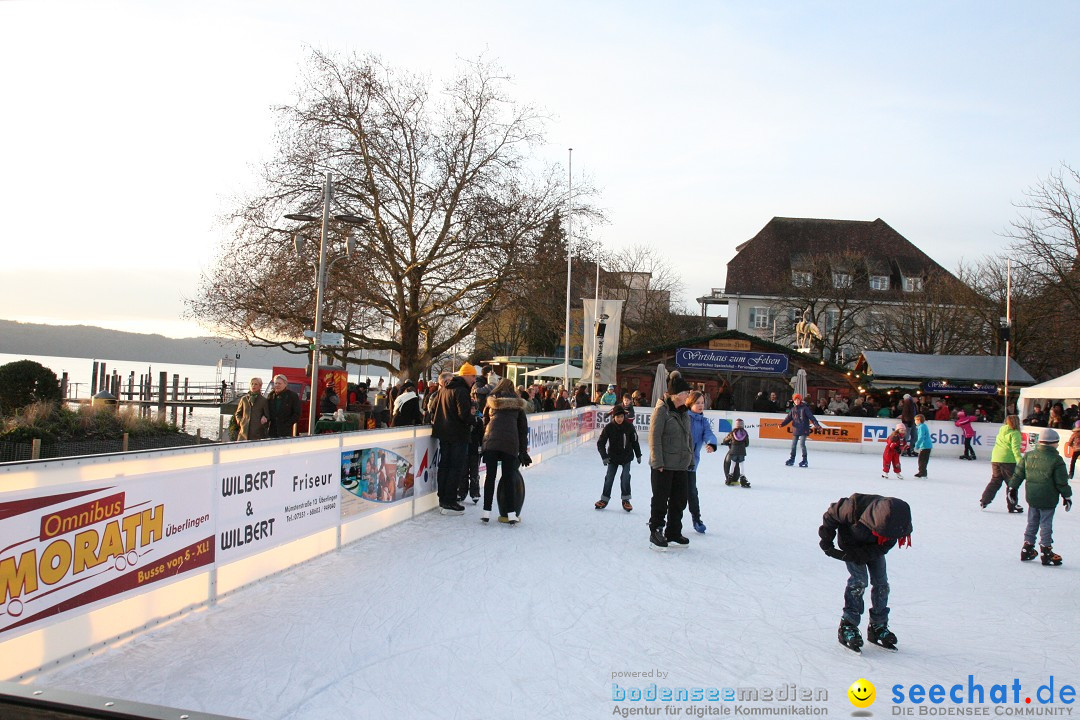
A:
555,371
798,383
659,386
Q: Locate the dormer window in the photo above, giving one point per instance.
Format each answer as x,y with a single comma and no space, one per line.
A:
913,284
841,280
800,278
879,282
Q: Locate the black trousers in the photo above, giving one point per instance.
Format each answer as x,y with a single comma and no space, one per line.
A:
669,489
924,458
452,459
492,458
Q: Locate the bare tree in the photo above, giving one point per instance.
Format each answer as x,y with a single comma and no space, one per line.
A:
447,181
642,277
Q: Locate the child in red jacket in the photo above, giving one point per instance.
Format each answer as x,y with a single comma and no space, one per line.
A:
894,445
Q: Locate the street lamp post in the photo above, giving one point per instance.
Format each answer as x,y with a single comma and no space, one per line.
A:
320,288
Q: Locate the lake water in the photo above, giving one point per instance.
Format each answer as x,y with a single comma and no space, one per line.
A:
207,420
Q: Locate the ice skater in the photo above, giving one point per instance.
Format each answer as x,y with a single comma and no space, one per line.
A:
670,456
737,440
1047,480
963,421
894,447
701,435
1003,459
865,528
924,443
618,445
800,417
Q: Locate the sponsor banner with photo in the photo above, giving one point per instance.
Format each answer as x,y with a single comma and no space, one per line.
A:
375,477
266,502
80,544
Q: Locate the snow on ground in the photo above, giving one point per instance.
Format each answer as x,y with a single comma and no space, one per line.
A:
447,617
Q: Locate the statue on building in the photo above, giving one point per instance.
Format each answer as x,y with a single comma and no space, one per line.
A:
806,331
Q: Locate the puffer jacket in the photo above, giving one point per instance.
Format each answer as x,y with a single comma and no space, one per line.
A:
801,417
857,523
923,441
1046,475
701,434
618,443
505,427
738,440
453,419
669,437
1006,446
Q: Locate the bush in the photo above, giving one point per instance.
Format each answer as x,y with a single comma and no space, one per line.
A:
24,382
50,422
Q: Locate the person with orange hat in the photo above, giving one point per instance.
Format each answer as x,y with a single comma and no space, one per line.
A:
452,423
800,417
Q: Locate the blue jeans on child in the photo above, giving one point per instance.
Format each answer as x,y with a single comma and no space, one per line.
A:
1041,520
879,593
609,480
796,440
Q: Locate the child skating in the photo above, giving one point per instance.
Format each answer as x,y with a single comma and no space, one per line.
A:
894,446
1047,480
865,527
924,443
618,445
737,440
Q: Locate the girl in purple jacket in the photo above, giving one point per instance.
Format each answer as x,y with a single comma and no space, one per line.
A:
963,421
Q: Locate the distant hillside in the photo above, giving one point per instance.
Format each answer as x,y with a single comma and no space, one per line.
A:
84,341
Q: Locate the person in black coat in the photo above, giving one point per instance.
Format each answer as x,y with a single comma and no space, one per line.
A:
452,422
865,527
407,407
618,445
506,441
284,408
328,404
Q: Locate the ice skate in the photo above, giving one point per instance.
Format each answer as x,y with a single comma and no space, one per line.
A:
743,482
849,636
1049,557
600,504
1027,552
657,541
881,636
699,526
627,506
731,481
899,476
1016,509
485,516
804,464
885,476
790,462
678,542
512,518
454,509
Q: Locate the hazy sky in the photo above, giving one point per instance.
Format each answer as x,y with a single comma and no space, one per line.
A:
127,126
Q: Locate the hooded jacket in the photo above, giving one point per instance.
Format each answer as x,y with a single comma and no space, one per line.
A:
1006,446
453,418
801,417
701,434
618,442
505,428
737,440
407,410
1047,479
865,526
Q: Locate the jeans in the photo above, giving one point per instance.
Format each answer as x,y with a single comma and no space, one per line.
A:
609,480
492,458
668,500
879,594
452,459
692,496
999,473
470,480
909,438
797,439
1041,520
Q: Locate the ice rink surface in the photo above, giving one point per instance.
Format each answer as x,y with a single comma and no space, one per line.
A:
445,617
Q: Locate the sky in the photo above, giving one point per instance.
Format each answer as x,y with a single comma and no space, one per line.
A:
129,128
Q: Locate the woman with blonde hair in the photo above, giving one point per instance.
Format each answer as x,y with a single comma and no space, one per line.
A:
1003,459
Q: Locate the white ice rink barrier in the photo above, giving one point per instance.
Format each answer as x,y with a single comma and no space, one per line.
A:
94,549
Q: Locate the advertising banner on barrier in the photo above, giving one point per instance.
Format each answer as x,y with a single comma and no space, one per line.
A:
832,431
426,464
543,433
372,478
79,544
274,500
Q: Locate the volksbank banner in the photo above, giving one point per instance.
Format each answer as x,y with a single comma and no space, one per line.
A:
601,341
731,360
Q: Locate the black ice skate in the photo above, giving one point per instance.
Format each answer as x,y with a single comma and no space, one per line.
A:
1027,552
1049,557
849,636
744,482
881,636
731,481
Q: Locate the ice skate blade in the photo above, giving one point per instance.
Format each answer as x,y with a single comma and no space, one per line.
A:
885,647
855,649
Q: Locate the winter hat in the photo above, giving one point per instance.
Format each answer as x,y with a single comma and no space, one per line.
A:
1076,425
796,396
467,369
618,410
907,396
1048,436
738,422
901,427
676,383
610,387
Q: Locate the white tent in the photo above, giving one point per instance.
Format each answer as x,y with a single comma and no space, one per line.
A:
1065,388
555,371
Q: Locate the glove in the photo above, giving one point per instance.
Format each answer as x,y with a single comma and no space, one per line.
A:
834,553
605,460
638,459
1067,502
524,459
1010,495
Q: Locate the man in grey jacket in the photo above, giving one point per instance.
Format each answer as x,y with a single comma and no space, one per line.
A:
670,457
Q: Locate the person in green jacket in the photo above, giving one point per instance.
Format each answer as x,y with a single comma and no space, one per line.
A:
1047,479
1003,459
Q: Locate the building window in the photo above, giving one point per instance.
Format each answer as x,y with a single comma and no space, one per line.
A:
831,318
800,278
841,280
913,284
876,323
879,282
760,318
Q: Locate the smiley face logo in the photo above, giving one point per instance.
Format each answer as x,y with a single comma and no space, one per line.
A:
862,693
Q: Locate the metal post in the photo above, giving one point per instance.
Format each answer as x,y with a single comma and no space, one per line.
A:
1008,324
596,321
315,353
569,241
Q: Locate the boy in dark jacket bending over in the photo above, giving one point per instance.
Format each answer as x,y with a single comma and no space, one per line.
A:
618,445
866,527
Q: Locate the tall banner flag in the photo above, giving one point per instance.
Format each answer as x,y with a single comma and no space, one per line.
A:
601,340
